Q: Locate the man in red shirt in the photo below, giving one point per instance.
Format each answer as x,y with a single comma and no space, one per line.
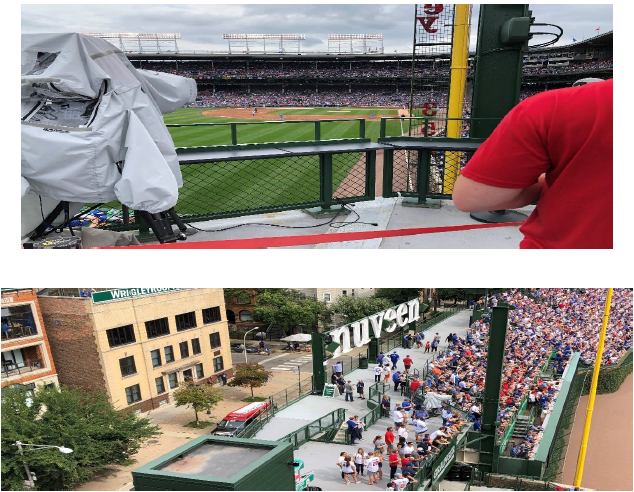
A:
555,149
407,361
414,386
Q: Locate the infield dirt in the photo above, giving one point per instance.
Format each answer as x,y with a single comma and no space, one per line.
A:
272,114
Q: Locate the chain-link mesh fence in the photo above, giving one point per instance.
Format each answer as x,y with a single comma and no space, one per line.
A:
348,175
405,171
290,395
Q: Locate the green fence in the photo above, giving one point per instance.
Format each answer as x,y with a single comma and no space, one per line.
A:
610,377
290,395
321,429
244,126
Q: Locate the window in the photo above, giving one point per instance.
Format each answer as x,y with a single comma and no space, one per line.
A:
160,385
157,327
173,380
121,336
13,359
344,293
218,364
188,375
326,297
18,321
156,358
133,393
246,316
184,350
127,366
211,315
352,292
199,371
185,321
214,338
195,346
169,354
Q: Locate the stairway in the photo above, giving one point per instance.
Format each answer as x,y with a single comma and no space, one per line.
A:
275,332
521,427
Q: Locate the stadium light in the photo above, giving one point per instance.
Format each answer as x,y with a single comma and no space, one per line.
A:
340,37
289,37
133,35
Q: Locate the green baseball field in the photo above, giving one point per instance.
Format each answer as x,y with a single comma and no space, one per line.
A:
263,132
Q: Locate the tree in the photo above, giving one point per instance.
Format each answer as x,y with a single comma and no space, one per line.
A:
250,375
354,308
397,296
199,397
455,294
286,309
84,421
241,295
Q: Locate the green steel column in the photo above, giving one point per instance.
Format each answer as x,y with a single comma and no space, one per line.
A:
319,356
498,68
489,454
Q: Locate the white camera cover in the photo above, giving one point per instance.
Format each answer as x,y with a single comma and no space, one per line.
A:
92,126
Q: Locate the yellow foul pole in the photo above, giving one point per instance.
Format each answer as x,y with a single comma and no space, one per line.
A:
459,55
593,392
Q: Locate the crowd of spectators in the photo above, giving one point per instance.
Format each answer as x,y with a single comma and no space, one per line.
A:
328,70
572,67
548,321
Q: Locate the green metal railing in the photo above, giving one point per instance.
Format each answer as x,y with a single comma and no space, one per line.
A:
321,429
425,126
290,395
316,124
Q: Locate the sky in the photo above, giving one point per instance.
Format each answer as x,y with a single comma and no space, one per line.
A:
202,26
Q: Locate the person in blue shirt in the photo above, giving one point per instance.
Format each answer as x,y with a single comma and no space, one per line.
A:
421,413
394,357
352,425
514,450
396,379
477,425
407,405
379,358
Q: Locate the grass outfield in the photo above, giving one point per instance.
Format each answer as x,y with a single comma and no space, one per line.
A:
275,132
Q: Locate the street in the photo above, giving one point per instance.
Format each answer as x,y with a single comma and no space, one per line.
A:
278,361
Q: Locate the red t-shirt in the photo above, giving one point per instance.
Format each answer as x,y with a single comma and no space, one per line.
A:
414,386
567,134
389,438
407,361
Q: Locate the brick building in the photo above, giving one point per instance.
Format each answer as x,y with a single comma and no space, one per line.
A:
26,354
240,309
137,344
331,294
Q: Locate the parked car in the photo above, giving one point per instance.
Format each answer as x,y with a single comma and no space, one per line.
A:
240,348
239,419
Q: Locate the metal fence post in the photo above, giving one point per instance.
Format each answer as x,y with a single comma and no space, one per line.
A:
317,130
383,128
370,173
362,128
234,134
425,127
388,170
424,158
325,174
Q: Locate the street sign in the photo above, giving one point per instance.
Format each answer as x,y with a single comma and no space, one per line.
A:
296,370
329,390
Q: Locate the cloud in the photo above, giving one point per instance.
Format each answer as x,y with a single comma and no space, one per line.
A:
202,26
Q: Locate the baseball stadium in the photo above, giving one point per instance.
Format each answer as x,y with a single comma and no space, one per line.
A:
336,149
498,403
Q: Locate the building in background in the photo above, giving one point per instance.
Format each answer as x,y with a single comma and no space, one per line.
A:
240,309
137,344
332,294
26,354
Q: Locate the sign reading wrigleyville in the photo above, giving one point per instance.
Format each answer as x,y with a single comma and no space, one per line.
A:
397,316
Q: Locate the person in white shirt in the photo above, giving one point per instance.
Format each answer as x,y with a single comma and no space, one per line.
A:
408,448
378,371
373,468
349,470
420,426
386,373
397,415
401,482
402,433
359,459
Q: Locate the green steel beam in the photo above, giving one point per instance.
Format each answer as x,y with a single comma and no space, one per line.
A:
319,356
498,67
489,455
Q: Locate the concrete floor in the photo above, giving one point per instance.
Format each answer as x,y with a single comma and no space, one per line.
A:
388,213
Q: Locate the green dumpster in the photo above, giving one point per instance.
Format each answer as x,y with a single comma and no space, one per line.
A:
363,362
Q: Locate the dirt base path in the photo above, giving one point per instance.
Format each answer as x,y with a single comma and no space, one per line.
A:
273,114
608,464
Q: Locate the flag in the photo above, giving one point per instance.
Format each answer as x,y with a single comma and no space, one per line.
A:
574,40
597,28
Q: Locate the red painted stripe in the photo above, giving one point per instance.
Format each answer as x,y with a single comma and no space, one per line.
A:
279,241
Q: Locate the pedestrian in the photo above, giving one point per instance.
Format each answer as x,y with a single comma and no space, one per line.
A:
359,428
341,384
378,371
427,345
223,376
340,461
434,346
349,470
393,461
389,438
385,405
379,445
352,425
348,390
403,433
397,416
359,457
407,361
534,155
379,358
360,386
386,374
394,357
396,379
338,368
373,467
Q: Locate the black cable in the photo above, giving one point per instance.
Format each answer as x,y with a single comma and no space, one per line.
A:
331,222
